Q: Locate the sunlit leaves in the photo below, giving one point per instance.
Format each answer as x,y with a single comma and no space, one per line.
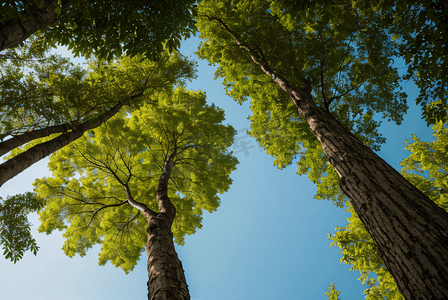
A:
86,195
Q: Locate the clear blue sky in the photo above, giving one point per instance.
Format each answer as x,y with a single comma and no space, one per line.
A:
268,240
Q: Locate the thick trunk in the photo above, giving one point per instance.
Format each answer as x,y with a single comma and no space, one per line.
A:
408,228
166,276
14,32
19,140
21,162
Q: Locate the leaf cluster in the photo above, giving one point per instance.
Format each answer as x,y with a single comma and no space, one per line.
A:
15,229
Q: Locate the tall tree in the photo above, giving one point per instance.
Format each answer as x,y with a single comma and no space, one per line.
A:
104,28
48,103
111,186
331,63
427,169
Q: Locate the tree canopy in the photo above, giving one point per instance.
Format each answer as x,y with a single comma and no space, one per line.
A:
86,197
53,99
106,29
420,27
427,169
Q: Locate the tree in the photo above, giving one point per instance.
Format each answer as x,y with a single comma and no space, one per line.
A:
426,168
111,186
331,63
48,103
103,28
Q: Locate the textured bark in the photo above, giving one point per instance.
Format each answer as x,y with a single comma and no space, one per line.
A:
19,140
166,279
21,162
410,230
166,275
14,32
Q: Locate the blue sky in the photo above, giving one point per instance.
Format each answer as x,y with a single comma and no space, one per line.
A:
267,240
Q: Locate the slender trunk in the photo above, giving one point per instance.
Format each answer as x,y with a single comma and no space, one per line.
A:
14,32
409,229
22,161
19,140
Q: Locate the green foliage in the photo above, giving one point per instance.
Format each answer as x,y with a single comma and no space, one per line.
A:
332,292
421,29
110,29
86,196
346,60
426,168
38,90
15,235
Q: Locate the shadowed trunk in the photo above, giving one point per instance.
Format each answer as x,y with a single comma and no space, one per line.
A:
22,161
14,32
409,229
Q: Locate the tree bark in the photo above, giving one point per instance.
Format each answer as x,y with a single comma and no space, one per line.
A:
166,279
14,32
410,230
22,161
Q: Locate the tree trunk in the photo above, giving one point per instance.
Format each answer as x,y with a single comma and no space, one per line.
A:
22,161
410,230
14,32
166,276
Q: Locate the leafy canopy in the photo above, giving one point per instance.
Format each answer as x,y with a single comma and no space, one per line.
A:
427,169
86,196
42,90
110,29
420,28
345,60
